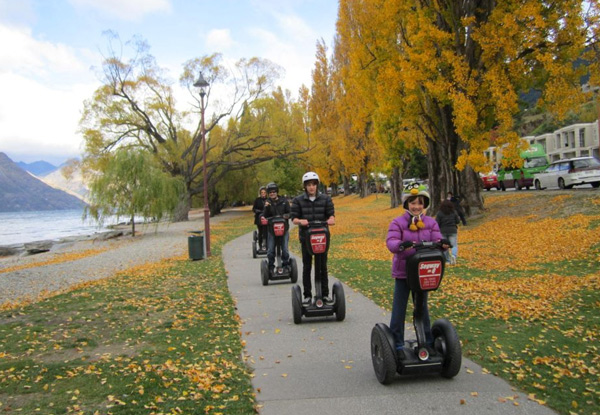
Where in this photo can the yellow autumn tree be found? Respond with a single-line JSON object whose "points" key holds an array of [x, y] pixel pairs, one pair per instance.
{"points": [[450, 73], [355, 103]]}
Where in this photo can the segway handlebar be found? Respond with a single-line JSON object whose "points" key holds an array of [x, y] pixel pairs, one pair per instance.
{"points": [[318, 223], [425, 244]]}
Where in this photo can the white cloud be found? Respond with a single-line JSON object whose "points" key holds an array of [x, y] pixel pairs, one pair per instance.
{"points": [[126, 9], [40, 119], [219, 39], [22, 53], [43, 87]]}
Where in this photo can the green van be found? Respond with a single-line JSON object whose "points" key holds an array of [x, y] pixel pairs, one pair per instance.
{"points": [[534, 161]]}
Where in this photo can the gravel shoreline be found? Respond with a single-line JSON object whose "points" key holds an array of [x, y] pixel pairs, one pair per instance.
{"points": [[155, 243]]}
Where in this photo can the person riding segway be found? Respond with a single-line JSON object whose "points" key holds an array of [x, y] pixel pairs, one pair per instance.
{"points": [[314, 212], [259, 236], [418, 267], [278, 265]]}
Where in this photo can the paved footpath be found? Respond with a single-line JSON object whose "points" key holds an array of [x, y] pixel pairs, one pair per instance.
{"points": [[324, 366]]}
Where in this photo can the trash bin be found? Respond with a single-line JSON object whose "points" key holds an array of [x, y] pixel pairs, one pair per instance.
{"points": [[196, 245]]}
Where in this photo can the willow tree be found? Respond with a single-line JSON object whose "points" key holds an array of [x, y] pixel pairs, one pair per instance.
{"points": [[456, 70], [133, 184], [136, 106]]}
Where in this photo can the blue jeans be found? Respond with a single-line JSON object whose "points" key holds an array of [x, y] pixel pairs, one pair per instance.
{"points": [[453, 238], [285, 253], [401, 292]]}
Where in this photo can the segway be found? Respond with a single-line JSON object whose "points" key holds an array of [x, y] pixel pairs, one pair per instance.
{"points": [[256, 247], [278, 227], [425, 270], [317, 242]]}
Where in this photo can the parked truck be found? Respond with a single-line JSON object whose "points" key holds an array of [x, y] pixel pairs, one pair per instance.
{"points": [[535, 160]]}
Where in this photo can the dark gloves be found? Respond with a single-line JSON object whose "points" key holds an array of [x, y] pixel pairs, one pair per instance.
{"points": [[446, 242], [405, 245]]}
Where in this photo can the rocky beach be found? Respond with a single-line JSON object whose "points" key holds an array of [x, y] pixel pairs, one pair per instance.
{"points": [[76, 260]]}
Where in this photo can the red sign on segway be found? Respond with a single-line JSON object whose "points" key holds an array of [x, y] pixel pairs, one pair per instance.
{"points": [[318, 242], [279, 228], [430, 273]]}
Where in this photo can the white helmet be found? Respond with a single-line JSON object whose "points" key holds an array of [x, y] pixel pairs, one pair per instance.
{"points": [[311, 175]]}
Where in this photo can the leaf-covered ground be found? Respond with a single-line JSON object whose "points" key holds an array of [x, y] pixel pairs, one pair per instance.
{"points": [[162, 338], [524, 296]]}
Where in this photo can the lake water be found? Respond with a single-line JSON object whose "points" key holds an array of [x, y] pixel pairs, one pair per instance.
{"points": [[22, 227]]}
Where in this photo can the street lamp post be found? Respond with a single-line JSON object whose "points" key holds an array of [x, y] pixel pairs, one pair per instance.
{"points": [[203, 84]]}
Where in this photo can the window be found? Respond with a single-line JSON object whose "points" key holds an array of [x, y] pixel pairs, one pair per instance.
{"points": [[566, 139], [564, 166], [557, 140], [582, 138]]}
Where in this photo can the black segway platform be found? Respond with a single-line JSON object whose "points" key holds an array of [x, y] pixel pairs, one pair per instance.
{"points": [[425, 270], [256, 248], [318, 244]]}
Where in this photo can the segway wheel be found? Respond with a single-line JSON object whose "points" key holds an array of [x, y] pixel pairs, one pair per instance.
{"points": [[264, 272], [297, 304], [382, 354], [294, 265], [255, 236], [339, 300], [254, 249], [447, 343]]}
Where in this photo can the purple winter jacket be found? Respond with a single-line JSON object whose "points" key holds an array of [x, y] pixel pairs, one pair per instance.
{"points": [[399, 232]]}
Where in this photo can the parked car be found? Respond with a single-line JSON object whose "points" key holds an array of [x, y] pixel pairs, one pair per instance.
{"points": [[567, 173], [490, 180]]}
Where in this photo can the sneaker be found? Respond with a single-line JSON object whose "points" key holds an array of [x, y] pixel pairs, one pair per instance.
{"points": [[452, 260], [400, 354], [327, 299], [307, 301]]}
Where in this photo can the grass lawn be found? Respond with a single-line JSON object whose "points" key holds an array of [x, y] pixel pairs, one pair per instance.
{"points": [[165, 339], [524, 295], [157, 339]]}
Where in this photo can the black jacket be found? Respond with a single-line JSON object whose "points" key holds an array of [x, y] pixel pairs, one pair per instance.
{"points": [[257, 208], [279, 207], [448, 222], [319, 209]]}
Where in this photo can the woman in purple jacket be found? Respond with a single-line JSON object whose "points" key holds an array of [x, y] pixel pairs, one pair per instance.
{"points": [[404, 231]]}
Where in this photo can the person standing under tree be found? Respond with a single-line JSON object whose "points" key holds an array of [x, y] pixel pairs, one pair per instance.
{"points": [[308, 207], [457, 206], [448, 221]]}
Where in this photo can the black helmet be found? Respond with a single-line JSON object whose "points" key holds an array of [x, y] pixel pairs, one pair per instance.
{"points": [[272, 187]]}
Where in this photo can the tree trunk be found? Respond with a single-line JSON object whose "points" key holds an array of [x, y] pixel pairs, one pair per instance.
{"points": [[132, 225], [443, 176], [182, 210], [395, 188], [471, 191], [346, 182], [362, 185]]}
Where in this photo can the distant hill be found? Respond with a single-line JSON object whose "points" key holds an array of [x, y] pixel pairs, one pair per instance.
{"points": [[73, 185], [39, 168], [20, 191]]}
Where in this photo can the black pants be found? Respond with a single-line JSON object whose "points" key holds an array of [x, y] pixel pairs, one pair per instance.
{"points": [[307, 259], [262, 235]]}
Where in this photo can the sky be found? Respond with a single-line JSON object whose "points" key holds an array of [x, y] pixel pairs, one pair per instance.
{"points": [[51, 50]]}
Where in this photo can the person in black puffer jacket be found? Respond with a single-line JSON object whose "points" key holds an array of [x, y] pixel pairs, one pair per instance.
{"points": [[312, 206]]}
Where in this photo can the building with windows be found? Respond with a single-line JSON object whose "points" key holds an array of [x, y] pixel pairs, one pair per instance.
{"points": [[576, 140]]}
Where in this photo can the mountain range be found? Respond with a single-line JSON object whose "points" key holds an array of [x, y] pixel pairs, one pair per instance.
{"points": [[21, 191]]}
